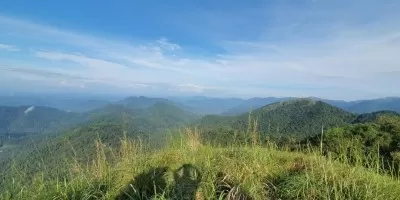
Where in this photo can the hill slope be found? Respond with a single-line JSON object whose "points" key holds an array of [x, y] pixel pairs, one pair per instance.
{"points": [[141, 102], [252, 104], [24, 120], [108, 124], [65, 103], [299, 117], [374, 116]]}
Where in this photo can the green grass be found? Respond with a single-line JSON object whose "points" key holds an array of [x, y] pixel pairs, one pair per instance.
{"points": [[188, 169]]}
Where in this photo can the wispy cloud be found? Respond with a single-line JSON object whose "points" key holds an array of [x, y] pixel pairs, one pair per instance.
{"points": [[8, 47], [317, 50]]}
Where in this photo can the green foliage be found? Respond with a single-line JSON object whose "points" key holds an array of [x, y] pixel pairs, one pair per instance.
{"points": [[107, 125], [25, 120], [142, 102], [253, 104], [379, 141], [373, 117], [298, 118], [202, 172]]}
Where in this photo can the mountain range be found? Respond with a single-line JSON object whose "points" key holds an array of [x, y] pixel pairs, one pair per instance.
{"points": [[198, 104], [49, 128]]}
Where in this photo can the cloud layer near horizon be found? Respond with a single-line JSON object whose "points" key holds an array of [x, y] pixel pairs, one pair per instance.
{"points": [[310, 53]]}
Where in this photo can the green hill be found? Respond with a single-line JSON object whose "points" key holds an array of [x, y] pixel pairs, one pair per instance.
{"points": [[374, 116], [159, 115], [301, 117], [25, 120], [141, 102], [108, 124], [62, 102], [253, 104], [78, 143]]}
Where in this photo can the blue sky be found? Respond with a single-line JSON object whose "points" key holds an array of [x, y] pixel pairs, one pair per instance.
{"points": [[331, 49]]}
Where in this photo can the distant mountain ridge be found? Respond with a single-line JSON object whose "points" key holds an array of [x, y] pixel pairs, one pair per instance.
{"points": [[207, 105], [34, 119], [374, 116], [358, 107], [26, 120], [61, 103], [141, 102], [374, 105], [252, 104], [197, 104]]}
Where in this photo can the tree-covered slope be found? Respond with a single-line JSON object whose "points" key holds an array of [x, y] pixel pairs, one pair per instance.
{"points": [[34, 119], [141, 102], [253, 104], [108, 124], [374, 116], [63, 102], [159, 115], [299, 117], [77, 143], [166, 115]]}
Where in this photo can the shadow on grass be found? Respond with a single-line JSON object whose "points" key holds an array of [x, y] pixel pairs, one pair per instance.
{"points": [[186, 181], [146, 185], [275, 186], [228, 189], [152, 183]]}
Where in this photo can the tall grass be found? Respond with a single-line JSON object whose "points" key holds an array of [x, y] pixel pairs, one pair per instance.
{"points": [[191, 169]]}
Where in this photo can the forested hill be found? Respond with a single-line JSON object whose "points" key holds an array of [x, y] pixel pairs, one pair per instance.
{"points": [[108, 124], [253, 104], [374, 116], [301, 117], [34, 119], [141, 102], [155, 116]]}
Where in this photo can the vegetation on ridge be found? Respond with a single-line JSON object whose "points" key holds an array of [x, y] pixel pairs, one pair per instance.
{"points": [[188, 169], [296, 118]]}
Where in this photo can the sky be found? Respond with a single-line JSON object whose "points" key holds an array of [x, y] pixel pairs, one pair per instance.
{"points": [[336, 49]]}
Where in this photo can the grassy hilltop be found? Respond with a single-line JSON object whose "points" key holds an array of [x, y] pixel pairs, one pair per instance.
{"points": [[189, 169]]}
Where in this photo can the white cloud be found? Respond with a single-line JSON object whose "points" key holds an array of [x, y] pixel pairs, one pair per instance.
{"points": [[81, 59], [28, 110], [8, 47], [296, 55], [164, 43]]}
